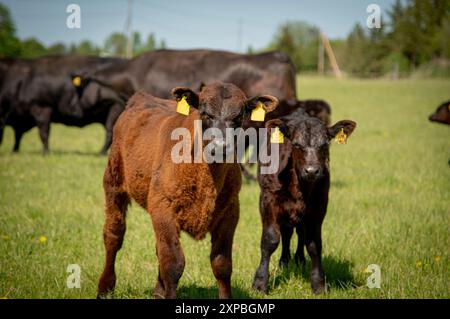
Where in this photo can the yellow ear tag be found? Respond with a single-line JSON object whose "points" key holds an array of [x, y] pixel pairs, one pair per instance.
{"points": [[76, 81], [277, 137], [183, 106], [341, 137], [258, 113], [448, 107]]}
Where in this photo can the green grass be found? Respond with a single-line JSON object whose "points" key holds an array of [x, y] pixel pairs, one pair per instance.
{"points": [[389, 205]]}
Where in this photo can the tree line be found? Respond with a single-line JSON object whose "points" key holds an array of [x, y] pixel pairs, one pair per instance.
{"points": [[413, 40], [114, 45]]}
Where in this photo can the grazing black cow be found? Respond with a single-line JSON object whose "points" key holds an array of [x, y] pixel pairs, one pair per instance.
{"points": [[39, 91], [158, 71], [442, 114], [297, 195]]}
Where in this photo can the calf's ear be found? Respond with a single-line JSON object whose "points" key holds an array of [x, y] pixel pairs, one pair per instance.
{"points": [[191, 96], [268, 102], [201, 86], [280, 124], [346, 125]]}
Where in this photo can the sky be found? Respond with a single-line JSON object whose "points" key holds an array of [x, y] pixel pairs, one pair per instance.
{"points": [[232, 25]]}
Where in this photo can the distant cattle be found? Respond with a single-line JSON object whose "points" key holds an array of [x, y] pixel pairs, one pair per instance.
{"points": [[296, 197], [442, 114], [39, 91], [157, 72], [193, 197]]}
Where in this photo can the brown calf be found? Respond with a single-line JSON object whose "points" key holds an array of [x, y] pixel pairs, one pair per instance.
{"points": [[194, 197], [297, 195]]}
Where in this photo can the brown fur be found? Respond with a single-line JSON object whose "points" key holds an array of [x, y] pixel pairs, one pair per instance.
{"points": [[194, 197]]}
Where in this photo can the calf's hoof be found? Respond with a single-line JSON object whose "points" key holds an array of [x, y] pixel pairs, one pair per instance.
{"points": [[318, 284], [284, 262], [159, 292], [260, 284], [105, 286]]}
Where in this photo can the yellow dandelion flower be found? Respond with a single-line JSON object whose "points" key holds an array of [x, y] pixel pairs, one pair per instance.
{"points": [[42, 239], [366, 271], [419, 264]]}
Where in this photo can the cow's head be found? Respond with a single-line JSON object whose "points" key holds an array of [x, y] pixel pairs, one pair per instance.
{"points": [[223, 106], [442, 114], [308, 140], [317, 108], [94, 92]]}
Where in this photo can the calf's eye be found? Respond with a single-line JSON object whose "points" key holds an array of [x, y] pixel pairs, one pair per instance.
{"points": [[206, 116]]}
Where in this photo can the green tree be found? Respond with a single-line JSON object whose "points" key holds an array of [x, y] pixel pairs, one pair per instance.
{"points": [[300, 41], [151, 43], [418, 29], [137, 44], [32, 48], [162, 44], [9, 44], [116, 44], [58, 48], [86, 47]]}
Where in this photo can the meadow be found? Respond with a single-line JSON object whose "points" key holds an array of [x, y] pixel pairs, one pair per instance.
{"points": [[389, 205]]}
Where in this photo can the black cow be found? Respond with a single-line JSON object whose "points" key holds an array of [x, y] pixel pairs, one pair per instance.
{"points": [[39, 91], [442, 114], [157, 72], [297, 195]]}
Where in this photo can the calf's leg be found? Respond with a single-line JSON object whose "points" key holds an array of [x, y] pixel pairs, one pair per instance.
{"points": [[159, 292], [300, 253], [269, 243], [169, 252], [221, 249], [313, 241], [286, 235], [113, 233]]}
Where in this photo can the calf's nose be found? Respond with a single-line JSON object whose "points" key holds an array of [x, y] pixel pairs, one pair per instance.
{"points": [[311, 171]]}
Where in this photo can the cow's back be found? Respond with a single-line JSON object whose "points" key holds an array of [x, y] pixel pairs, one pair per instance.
{"points": [[267, 73]]}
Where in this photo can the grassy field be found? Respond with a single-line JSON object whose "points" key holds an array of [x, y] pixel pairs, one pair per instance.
{"points": [[389, 205]]}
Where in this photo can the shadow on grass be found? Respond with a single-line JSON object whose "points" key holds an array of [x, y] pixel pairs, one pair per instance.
{"points": [[338, 273], [193, 291]]}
